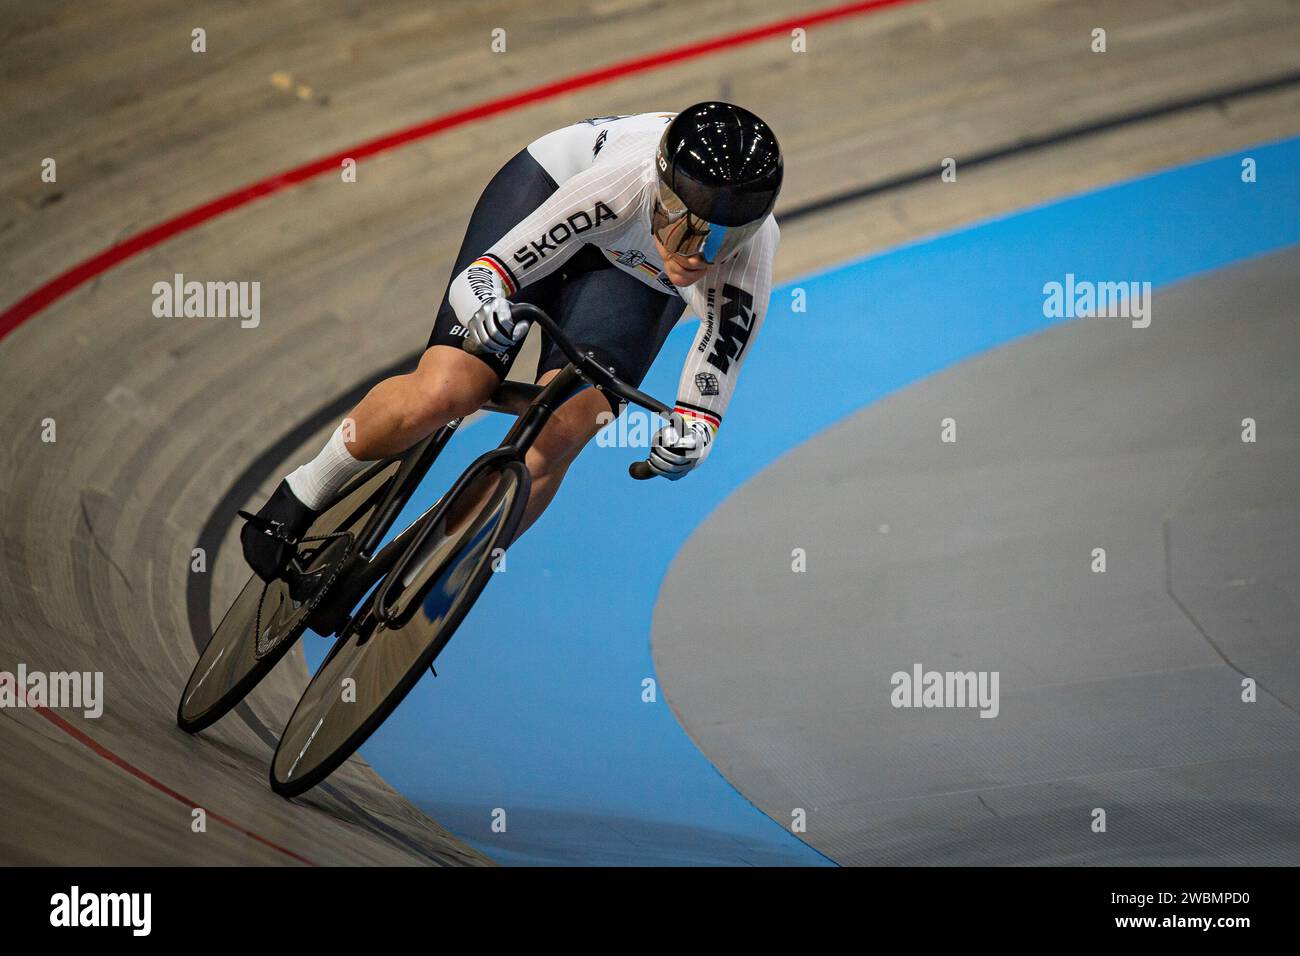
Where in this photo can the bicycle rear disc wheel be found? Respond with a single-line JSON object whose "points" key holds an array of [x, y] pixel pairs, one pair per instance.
{"points": [[374, 666], [229, 667]]}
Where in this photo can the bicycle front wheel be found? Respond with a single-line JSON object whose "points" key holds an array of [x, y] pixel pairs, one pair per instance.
{"points": [[373, 666]]}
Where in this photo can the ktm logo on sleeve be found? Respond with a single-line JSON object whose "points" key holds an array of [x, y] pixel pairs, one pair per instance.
{"points": [[737, 321], [560, 233]]}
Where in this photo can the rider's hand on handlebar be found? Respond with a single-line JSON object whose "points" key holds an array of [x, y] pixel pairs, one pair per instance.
{"points": [[493, 329], [680, 446]]}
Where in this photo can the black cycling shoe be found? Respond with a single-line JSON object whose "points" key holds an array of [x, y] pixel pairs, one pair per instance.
{"points": [[269, 537]]}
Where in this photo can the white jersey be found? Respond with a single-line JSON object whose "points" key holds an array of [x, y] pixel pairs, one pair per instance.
{"points": [[607, 187]]}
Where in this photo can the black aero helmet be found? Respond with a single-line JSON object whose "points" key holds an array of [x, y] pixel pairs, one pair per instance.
{"points": [[719, 166]]}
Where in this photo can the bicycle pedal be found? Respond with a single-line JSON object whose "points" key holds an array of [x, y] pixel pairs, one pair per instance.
{"points": [[274, 529]]}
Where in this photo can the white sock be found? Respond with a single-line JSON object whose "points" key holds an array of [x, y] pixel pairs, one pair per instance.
{"points": [[316, 483]]}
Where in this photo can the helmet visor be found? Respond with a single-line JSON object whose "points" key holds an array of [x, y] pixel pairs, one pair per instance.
{"points": [[683, 233]]}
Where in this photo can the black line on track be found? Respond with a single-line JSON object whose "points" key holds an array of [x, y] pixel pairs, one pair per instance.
{"points": [[198, 595], [1031, 143]]}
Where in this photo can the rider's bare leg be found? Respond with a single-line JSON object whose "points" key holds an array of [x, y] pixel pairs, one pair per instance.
{"points": [[400, 411], [449, 383], [397, 413], [566, 433]]}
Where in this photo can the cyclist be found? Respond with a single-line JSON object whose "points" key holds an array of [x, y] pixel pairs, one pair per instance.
{"points": [[613, 225]]}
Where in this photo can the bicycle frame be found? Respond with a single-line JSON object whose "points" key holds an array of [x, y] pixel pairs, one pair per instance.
{"points": [[425, 581], [532, 404], [513, 447]]}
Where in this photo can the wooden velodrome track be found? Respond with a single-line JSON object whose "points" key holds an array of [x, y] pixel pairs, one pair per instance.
{"points": [[157, 419]]}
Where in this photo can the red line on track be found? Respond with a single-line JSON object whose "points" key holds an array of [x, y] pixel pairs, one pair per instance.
{"points": [[100, 263], [90, 742], [61, 285]]}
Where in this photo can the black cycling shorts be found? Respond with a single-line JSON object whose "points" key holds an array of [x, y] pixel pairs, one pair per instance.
{"points": [[619, 319]]}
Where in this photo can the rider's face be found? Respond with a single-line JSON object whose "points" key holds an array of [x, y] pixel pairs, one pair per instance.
{"points": [[682, 270]]}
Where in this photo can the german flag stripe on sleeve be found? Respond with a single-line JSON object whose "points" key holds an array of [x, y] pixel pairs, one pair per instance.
{"points": [[700, 413], [501, 269]]}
